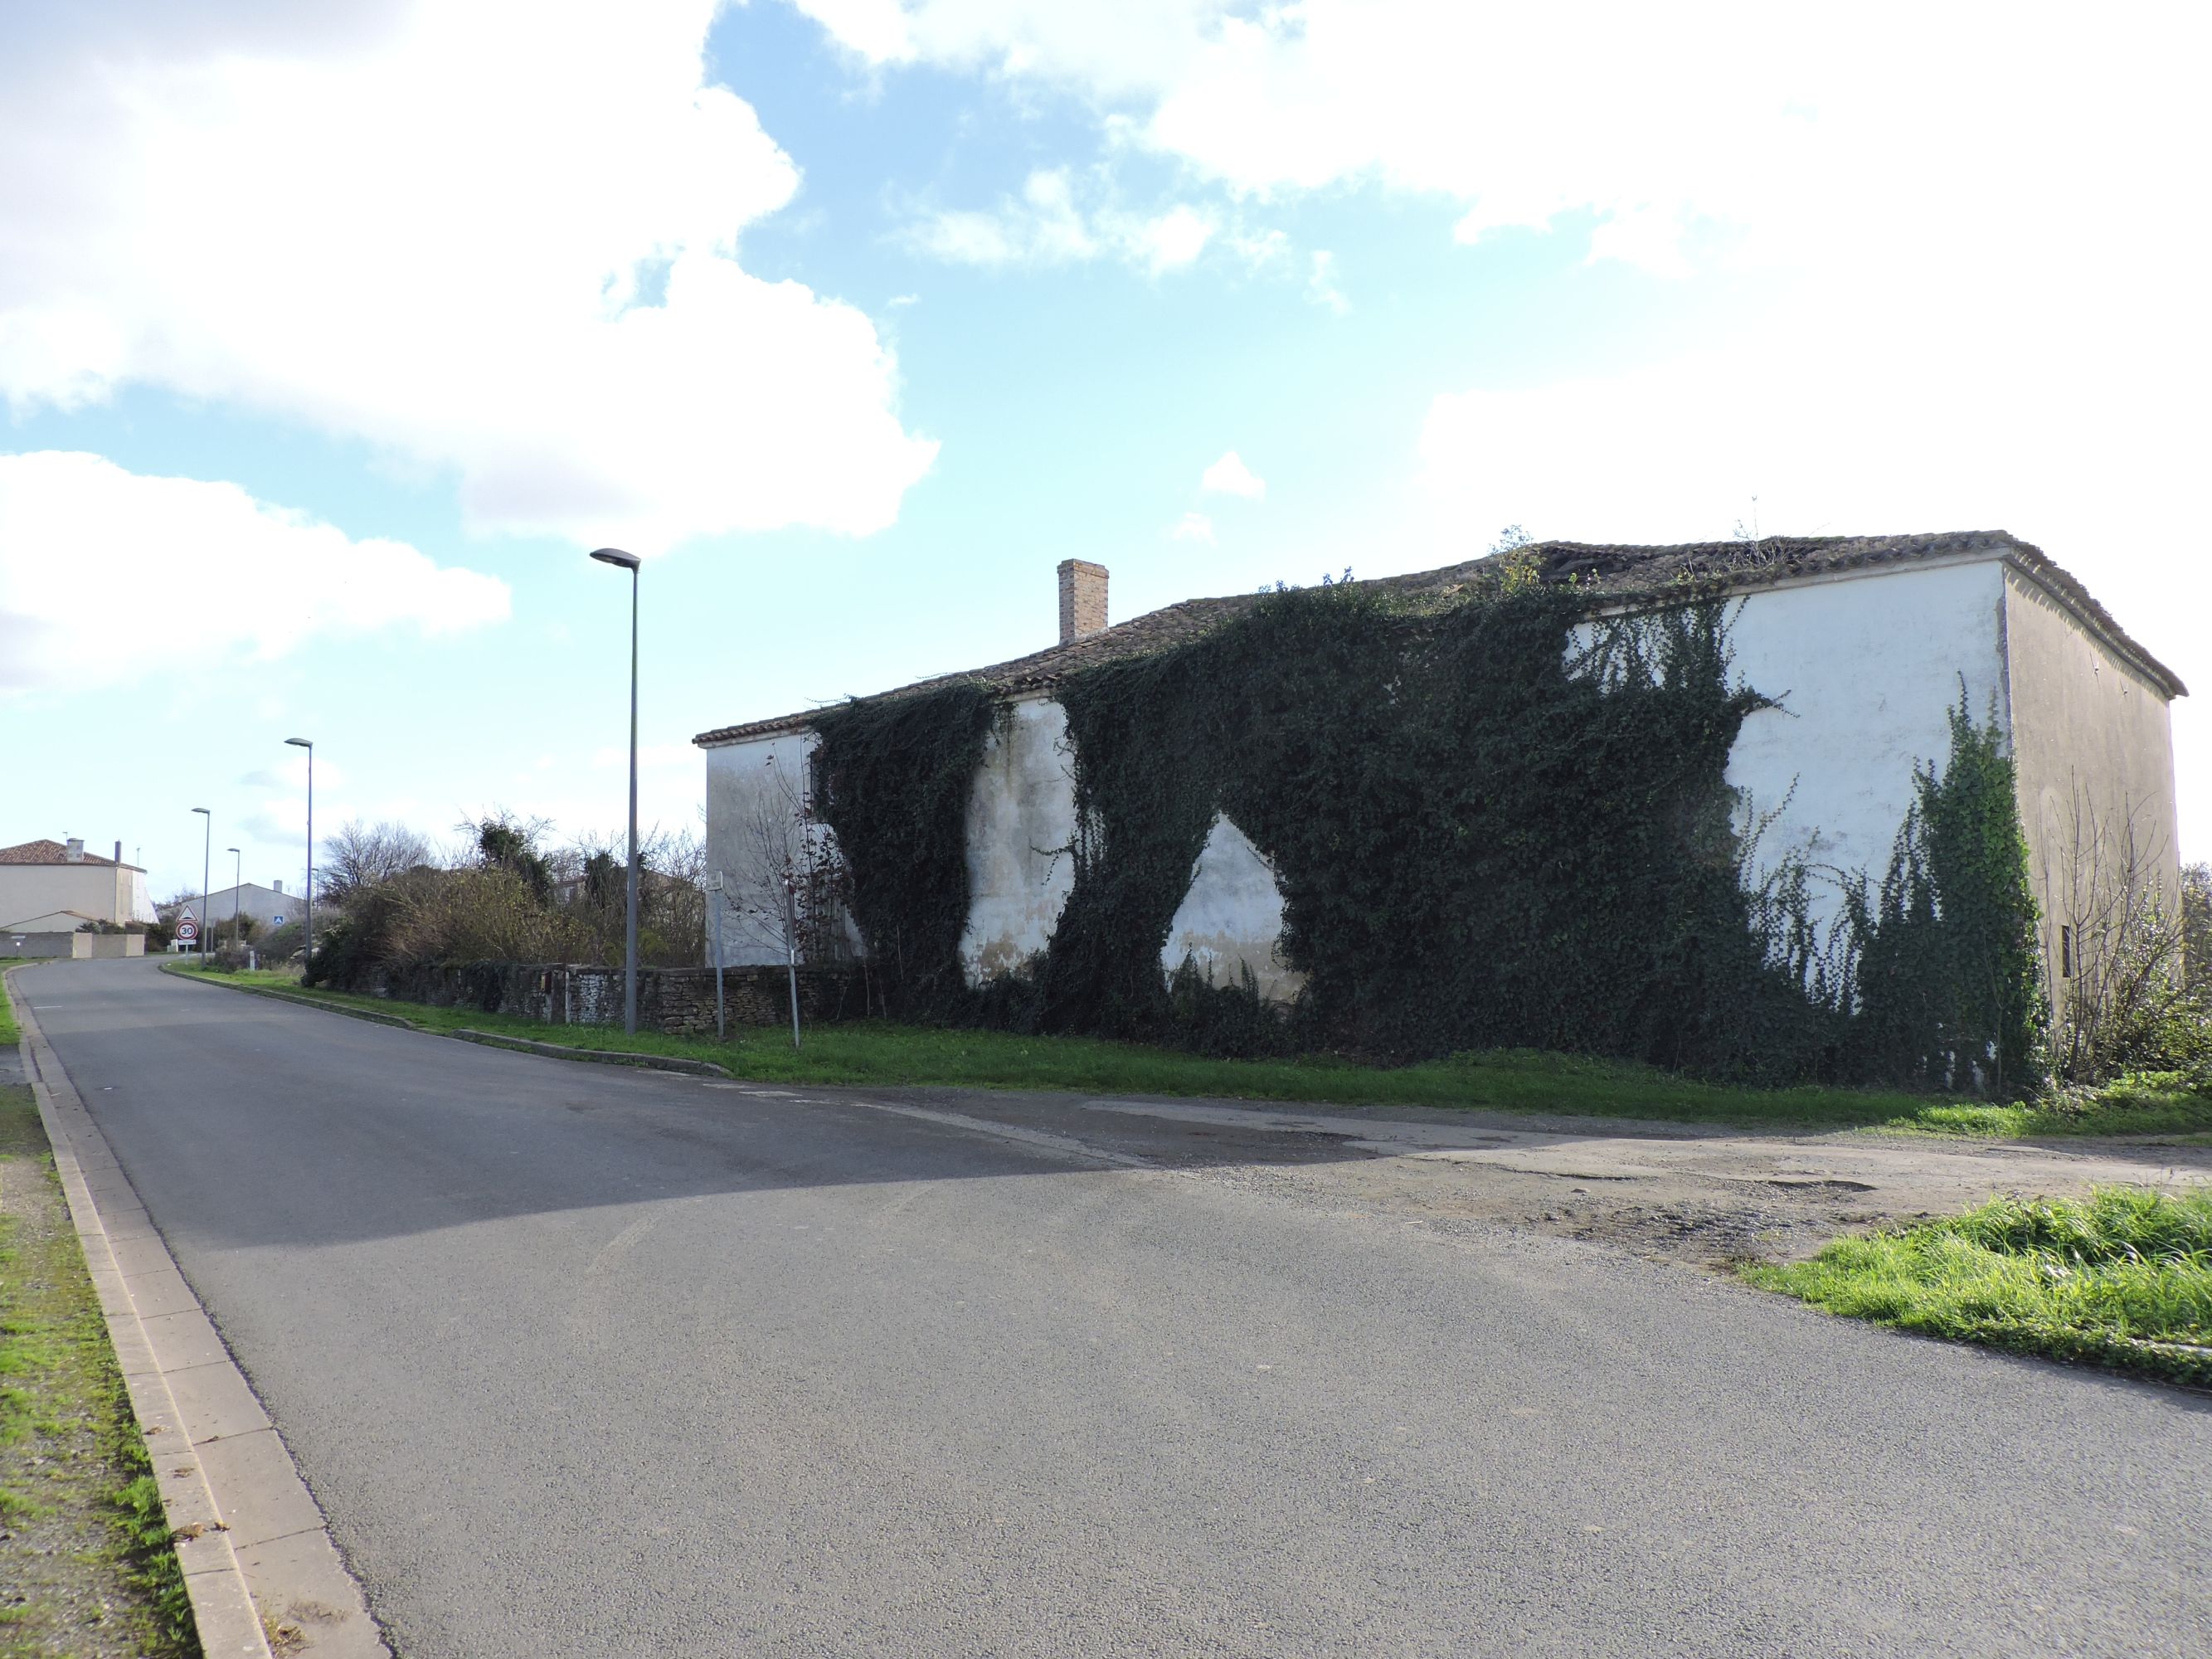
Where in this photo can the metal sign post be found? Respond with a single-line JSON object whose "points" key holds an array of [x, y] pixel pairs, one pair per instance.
{"points": [[791, 956], [713, 886]]}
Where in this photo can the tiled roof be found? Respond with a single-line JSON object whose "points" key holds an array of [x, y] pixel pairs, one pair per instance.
{"points": [[1609, 574], [52, 852]]}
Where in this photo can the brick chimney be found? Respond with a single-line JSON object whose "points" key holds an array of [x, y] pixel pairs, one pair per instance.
{"points": [[1082, 599], [75, 851]]}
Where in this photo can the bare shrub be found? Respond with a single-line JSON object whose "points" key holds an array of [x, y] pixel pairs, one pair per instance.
{"points": [[2123, 1001], [363, 855], [789, 890], [485, 914]]}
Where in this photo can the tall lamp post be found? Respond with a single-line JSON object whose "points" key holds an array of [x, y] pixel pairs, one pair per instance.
{"points": [[307, 956], [237, 881], [207, 865], [616, 556]]}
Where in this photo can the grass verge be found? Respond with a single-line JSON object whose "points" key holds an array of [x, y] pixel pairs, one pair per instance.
{"points": [[2122, 1278], [878, 1053], [85, 1553], [9, 1035]]}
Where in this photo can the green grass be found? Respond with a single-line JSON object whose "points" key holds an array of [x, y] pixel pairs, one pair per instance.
{"points": [[9, 1033], [876, 1052], [2122, 1278], [82, 1532]]}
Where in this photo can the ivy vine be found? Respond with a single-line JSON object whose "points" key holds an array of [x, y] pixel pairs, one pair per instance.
{"points": [[1495, 822]]}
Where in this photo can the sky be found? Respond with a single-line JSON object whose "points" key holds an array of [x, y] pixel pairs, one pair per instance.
{"points": [[332, 337]]}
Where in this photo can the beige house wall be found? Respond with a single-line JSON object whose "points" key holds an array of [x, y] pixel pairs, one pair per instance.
{"points": [[2092, 747], [104, 891]]}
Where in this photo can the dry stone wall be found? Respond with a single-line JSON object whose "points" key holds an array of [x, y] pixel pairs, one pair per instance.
{"points": [[677, 1001]]}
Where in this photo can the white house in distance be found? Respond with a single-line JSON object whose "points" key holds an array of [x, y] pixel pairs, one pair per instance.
{"points": [[1865, 641], [49, 890]]}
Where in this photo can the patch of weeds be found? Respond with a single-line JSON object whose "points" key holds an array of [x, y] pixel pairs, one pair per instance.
{"points": [[87, 1554], [150, 1556], [2122, 1278]]}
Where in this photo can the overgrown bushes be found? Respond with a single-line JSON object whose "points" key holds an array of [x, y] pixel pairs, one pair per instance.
{"points": [[508, 899]]}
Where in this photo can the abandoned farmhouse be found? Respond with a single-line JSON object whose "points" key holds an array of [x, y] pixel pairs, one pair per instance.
{"points": [[1804, 702]]}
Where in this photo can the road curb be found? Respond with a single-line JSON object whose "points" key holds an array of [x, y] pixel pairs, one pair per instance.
{"points": [[228, 1485], [598, 1056], [293, 997], [488, 1039]]}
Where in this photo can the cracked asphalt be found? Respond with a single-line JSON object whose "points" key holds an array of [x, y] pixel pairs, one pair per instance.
{"points": [[582, 1360]]}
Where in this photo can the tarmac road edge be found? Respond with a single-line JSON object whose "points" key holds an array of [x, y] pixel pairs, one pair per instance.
{"points": [[257, 1559]]}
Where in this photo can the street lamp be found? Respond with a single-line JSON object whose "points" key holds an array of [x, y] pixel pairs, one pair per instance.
{"points": [[237, 881], [207, 865], [620, 559], [308, 955]]}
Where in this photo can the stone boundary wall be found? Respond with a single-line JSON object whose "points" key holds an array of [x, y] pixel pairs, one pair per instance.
{"points": [[677, 1001]]}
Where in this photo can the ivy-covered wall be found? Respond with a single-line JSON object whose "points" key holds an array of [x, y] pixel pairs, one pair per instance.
{"points": [[1491, 828]]}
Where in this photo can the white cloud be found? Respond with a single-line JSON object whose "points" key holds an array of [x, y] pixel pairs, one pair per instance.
{"points": [[496, 237], [1059, 220], [100, 570], [1192, 527], [1230, 476], [1726, 124], [1320, 283], [1175, 238]]}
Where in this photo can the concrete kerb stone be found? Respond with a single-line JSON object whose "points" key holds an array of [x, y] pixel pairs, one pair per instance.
{"points": [[235, 1609], [598, 1056], [489, 1039]]}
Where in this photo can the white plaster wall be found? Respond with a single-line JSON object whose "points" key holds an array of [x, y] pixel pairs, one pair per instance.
{"points": [[1021, 827], [1866, 667], [1231, 919], [743, 780]]}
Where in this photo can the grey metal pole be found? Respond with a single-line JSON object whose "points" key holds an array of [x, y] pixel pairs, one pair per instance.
{"points": [[791, 956], [616, 556], [307, 956], [207, 864], [630, 924], [237, 881], [714, 914]]}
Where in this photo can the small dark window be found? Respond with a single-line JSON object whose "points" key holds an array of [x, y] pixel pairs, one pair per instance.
{"points": [[2065, 953]]}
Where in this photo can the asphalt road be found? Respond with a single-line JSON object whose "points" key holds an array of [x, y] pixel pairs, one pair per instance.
{"points": [[587, 1361]]}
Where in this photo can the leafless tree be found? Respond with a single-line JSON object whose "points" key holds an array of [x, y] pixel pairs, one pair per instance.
{"points": [[2118, 956], [787, 891], [361, 855]]}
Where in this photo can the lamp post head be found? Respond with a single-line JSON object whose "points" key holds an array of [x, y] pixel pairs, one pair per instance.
{"points": [[615, 556], [234, 849], [203, 812], [300, 742]]}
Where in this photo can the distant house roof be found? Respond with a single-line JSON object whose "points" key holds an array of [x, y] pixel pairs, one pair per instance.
{"points": [[1609, 574], [52, 852]]}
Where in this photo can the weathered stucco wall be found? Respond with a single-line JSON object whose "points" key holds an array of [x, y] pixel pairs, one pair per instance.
{"points": [[1867, 668], [2094, 752], [1021, 828], [1231, 919]]}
